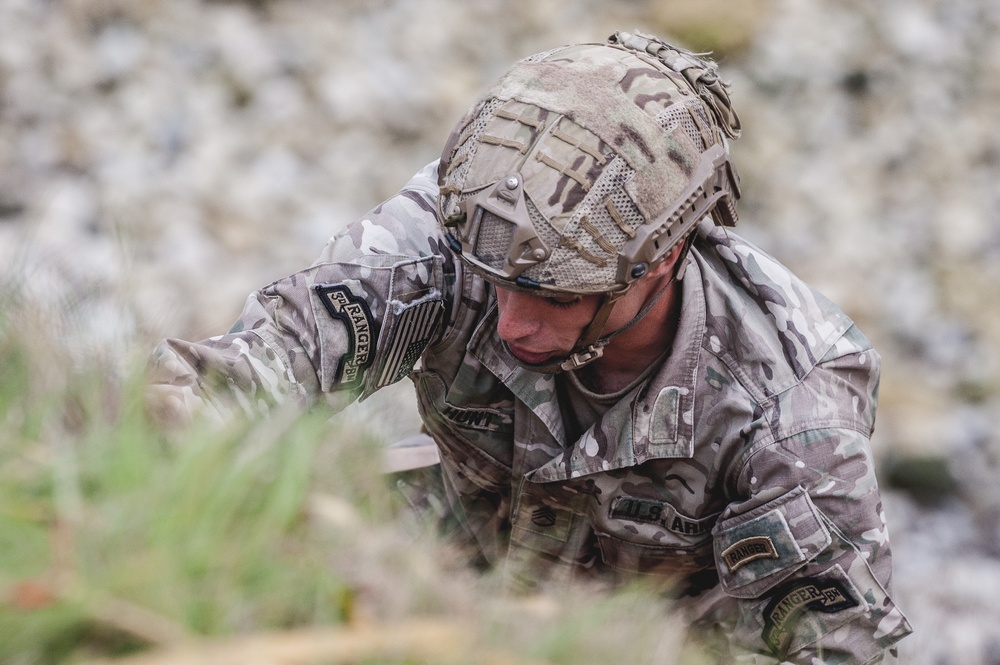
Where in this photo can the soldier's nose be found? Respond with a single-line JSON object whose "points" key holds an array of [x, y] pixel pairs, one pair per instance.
{"points": [[518, 315]]}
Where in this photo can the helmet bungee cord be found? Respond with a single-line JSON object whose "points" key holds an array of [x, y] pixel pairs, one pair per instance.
{"points": [[582, 168]]}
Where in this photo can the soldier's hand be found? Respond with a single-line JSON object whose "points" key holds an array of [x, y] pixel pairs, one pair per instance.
{"points": [[170, 407]]}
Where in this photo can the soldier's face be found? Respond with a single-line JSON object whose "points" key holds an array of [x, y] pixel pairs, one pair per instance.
{"points": [[540, 329]]}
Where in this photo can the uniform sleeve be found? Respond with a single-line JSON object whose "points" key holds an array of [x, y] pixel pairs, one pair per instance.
{"points": [[356, 320], [806, 555]]}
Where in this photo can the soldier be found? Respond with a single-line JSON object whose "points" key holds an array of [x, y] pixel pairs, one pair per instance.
{"points": [[617, 385]]}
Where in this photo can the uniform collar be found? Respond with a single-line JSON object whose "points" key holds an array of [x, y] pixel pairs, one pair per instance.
{"points": [[535, 389], [655, 420], [663, 418]]}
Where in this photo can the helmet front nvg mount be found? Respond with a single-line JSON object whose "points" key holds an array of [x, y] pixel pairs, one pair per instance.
{"points": [[582, 168]]}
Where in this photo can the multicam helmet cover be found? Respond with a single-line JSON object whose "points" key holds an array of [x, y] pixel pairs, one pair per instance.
{"points": [[582, 167]]}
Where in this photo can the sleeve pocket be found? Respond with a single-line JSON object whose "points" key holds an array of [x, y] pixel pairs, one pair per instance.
{"points": [[757, 550]]}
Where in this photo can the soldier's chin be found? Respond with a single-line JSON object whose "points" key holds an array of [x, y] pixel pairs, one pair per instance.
{"points": [[546, 364]]}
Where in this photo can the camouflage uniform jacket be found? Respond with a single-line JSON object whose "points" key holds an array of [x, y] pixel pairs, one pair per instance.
{"points": [[740, 472]]}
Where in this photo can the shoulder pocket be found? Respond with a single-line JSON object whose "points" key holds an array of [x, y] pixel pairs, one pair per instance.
{"points": [[389, 309], [755, 551]]}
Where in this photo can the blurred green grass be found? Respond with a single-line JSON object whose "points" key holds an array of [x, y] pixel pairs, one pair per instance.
{"points": [[207, 534], [119, 540]]}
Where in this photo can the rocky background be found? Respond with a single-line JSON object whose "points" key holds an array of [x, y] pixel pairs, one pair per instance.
{"points": [[159, 159]]}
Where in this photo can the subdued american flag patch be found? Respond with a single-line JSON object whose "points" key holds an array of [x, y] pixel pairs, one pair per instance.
{"points": [[412, 332]]}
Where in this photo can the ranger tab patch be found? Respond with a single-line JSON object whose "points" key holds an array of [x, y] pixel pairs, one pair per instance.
{"points": [[749, 549], [790, 601], [344, 306]]}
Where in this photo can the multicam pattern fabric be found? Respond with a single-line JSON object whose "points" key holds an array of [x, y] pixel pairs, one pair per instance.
{"points": [[738, 476]]}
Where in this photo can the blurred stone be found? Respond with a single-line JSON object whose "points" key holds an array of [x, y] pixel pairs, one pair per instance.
{"points": [[928, 479], [717, 26]]}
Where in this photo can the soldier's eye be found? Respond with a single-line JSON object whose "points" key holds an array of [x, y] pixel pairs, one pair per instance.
{"points": [[564, 302]]}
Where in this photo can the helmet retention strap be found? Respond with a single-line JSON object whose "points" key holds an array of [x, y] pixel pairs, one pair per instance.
{"points": [[591, 344]]}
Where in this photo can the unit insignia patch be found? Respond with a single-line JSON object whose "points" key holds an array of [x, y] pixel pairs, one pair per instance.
{"points": [[790, 601], [344, 306]]}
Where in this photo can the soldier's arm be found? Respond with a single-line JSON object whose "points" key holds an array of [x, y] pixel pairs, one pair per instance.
{"points": [[335, 329], [807, 554]]}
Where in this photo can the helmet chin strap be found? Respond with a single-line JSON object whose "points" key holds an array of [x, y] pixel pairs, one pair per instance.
{"points": [[590, 346]]}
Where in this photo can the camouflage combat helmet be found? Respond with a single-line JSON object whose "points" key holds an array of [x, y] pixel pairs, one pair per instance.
{"points": [[581, 168]]}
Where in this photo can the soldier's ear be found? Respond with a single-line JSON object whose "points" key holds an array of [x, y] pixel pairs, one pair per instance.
{"points": [[666, 266]]}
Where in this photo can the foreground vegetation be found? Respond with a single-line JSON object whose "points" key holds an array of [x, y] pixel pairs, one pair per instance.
{"points": [[269, 542]]}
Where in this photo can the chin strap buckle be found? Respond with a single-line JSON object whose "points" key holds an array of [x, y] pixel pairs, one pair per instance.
{"points": [[581, 358]]}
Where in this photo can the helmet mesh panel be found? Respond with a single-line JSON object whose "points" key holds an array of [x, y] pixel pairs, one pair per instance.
{"points": [[677, 114], [493, 242], [612, 184], [627, 210], [545, 231], [578, 262]]}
